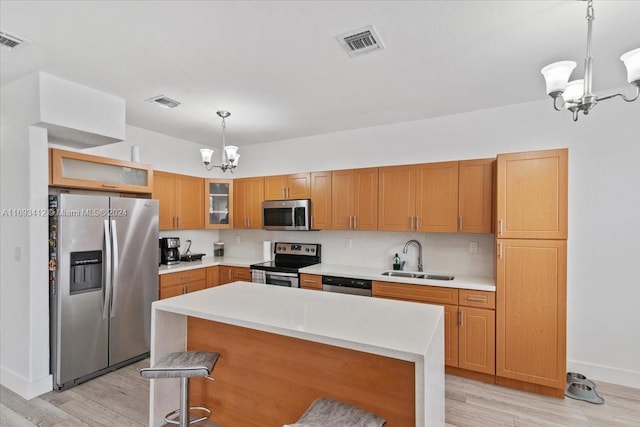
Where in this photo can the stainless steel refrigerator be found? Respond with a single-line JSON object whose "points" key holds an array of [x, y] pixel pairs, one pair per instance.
{"points": [[103, 278]]}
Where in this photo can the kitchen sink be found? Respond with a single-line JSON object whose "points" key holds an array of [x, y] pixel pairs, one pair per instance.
{"points": [[417, 275], [404, 274]]}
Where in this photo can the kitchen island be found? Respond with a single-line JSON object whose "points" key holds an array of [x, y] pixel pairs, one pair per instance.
{"points": [[283, 347]]}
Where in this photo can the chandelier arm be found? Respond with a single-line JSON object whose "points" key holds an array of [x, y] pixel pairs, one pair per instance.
{"points": [[555, 103], [622, 95]]}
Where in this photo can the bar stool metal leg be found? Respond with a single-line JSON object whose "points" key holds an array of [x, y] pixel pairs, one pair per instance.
{"points": [[184, 402]]}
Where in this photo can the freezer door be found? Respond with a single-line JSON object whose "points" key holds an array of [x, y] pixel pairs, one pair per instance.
{"points": [[135, 284], [79, 331]]}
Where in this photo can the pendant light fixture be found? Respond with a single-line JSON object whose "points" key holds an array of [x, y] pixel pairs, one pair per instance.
{"points": [[230, 154], [576, 96]]}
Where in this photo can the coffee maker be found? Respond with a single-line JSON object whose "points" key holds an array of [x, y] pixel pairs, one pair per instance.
{"points": [[169, 252]]}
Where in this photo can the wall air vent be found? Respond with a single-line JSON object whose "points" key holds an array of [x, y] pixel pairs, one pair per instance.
{"points": [[164, 101], [10, 41], [361, 41]]}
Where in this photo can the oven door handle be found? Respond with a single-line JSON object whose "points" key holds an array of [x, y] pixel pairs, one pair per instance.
{"points": [[279, 274]]}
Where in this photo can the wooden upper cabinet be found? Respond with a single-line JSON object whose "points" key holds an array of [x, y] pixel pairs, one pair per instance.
{"points": [[342, 199], [321, 200], [180, 200], [354, 199], [437, 197], [218, 203], [532, 195], [189, 202], [281, 187], [247, 202], [164, 190], [397, 198], [365, 199], [531, 286], [475, 195], [78, 170]]}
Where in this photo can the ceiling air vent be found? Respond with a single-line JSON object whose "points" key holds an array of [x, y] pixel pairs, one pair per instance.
{"points": [[164, 101], [9, 41], [361, 41]]}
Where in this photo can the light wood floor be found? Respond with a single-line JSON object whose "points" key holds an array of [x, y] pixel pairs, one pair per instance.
{"points": [[121, 398]]}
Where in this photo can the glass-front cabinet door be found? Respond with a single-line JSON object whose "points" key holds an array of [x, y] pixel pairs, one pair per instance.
{"points": [[218, 203]]}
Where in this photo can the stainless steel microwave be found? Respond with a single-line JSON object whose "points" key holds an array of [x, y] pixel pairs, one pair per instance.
{"points": [[286, 214]]}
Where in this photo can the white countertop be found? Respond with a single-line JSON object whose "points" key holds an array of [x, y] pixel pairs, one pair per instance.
{"points": [[208, 262], [476, 283], [398, 329]]}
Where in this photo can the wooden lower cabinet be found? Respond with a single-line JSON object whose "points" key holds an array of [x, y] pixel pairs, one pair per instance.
{"points": [[213, 276], [182, 282], [311, 281], [469, 321], [230, 274], [451, 335], [477, 340], [531, 307]]}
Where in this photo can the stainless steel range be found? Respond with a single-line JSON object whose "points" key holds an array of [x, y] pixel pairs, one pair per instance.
{"points": [[284, 269]]}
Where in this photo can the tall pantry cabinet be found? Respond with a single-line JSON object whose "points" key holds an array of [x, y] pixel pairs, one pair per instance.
{"points": [[531, 258]]}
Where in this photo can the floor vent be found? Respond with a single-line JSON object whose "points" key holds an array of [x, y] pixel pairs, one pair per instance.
{"points": [[164, 101], [10, 41], [361, 41]]}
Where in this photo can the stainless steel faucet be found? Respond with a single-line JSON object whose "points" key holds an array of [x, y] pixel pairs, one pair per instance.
{"points": [[406, 248]]}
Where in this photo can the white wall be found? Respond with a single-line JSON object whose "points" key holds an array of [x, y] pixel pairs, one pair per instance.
{"points": [[604, 204], [24, 298]]}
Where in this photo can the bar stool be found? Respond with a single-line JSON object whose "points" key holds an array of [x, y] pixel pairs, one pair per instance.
{"points": [[184, 365], [325, 412]]}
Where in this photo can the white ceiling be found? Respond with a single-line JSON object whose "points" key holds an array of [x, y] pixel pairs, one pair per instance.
{"points": [[277, 67]]}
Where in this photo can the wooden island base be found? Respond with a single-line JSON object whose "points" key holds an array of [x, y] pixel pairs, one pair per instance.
{"points": [[267, 380]]}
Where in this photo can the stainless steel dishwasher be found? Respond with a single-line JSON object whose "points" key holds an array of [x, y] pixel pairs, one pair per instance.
{"points": [[346, 285]]}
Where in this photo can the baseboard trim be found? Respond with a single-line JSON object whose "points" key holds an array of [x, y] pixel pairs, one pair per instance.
{"points": [[605, 373], [27, 389], [477, 376]]}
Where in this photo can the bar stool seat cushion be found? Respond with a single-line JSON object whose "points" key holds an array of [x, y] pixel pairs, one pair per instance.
{"points": [[325, 412], [182, 364]]}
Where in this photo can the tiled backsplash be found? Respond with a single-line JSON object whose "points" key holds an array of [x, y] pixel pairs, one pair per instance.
{"points": [[445, 253]]}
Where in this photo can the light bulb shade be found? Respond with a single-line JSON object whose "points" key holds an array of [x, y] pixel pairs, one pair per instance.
{"points": [[631, 60], [557, 75], [206, 154], [230, 150], [573, 92], [234, 159]]}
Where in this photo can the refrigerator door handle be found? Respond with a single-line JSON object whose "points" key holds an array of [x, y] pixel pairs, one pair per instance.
{"points": [[114, 277], [107, 277]]}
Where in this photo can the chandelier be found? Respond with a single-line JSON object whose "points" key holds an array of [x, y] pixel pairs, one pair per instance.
{"points": [[576, 95], [230, 154]]}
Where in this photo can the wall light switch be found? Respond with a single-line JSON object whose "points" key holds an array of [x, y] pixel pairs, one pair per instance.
{"points": [[473, 247]]}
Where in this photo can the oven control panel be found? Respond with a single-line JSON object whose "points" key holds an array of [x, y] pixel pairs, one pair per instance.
{"points": [[310, 249]]}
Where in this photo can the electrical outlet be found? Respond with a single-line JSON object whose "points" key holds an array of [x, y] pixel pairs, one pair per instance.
{"points": [[473, 247], [17, 253], [237, 238], [348, 243]]}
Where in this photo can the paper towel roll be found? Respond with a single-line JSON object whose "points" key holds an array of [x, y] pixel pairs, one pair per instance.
{"points": [[266, 250]]}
